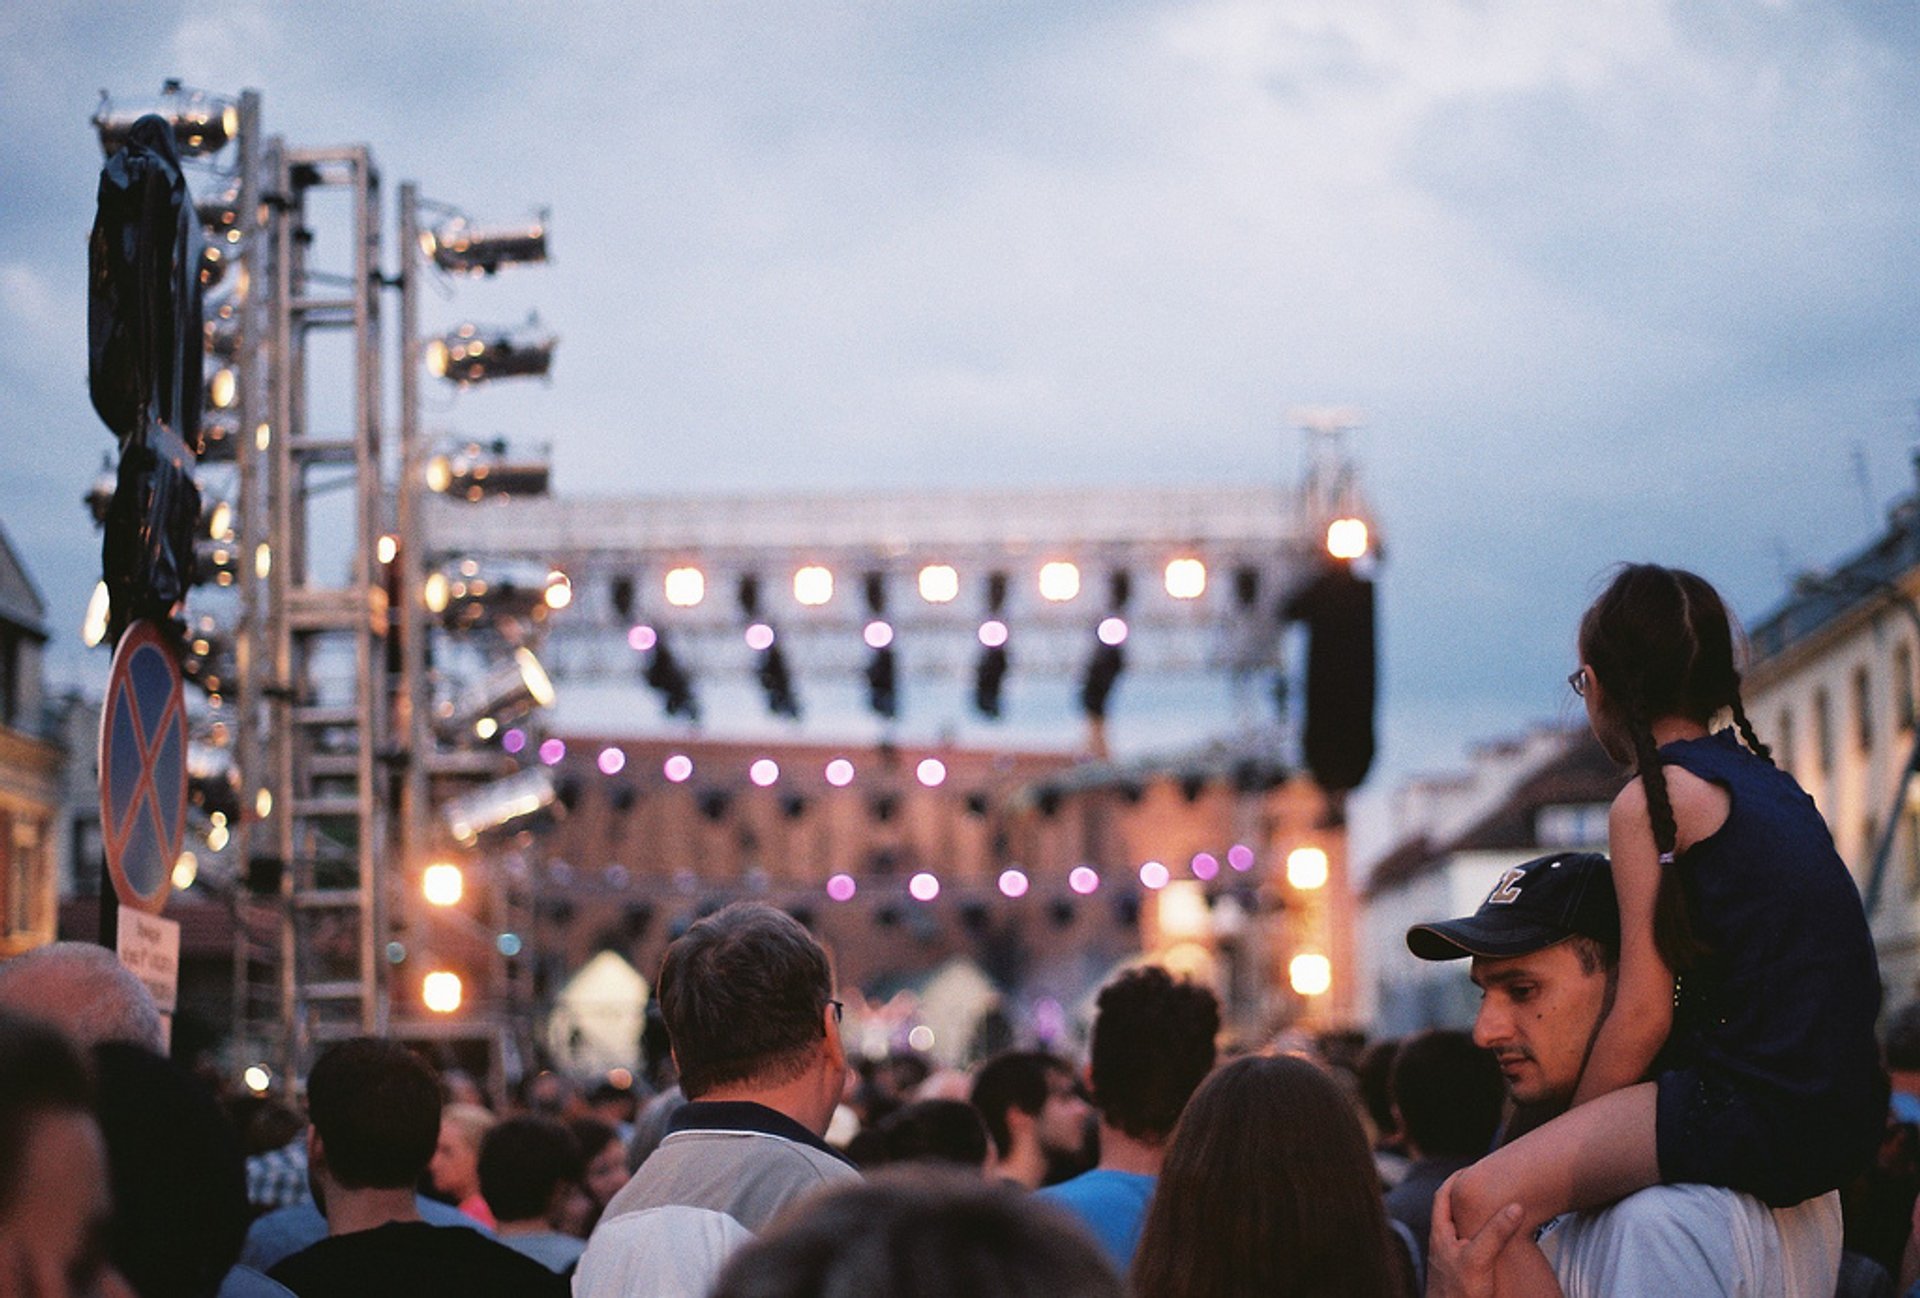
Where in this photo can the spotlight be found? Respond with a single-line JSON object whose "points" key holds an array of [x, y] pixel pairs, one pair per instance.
{"points": [[1059, 582], [670, 680], [508, 692], [475, 471], [1347, 538], [1186, 578], [475, 353], [685, 587], [459, 247], [499, 806], [1103, 669], [812, 586], [202, 122], [939, 584], [219, 437]]}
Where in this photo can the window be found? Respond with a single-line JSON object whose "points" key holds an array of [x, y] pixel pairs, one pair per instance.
{"points": [[1862, 709], [1903, 685], [1783, 745], [1577, 824], [1823, 729]]}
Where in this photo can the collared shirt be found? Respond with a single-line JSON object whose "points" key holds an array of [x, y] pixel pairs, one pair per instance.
{"points": [[278, 1177]]}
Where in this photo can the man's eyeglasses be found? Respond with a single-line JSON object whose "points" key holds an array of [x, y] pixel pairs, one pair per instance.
{"points": [[839, 1010], [1577, 682]]}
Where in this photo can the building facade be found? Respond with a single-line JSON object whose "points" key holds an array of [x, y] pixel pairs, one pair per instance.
{"points": [[31, 765]]}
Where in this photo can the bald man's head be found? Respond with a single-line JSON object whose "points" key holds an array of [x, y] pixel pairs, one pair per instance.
{"points": [[85, 991]]}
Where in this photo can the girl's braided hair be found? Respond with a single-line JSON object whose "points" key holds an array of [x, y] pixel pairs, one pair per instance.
{"points": [[1661, 643]]}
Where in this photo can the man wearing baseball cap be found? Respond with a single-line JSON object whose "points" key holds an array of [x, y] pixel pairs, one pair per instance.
{"points": [[1545, 950]]}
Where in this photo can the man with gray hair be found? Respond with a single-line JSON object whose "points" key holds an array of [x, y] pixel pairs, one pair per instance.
{"points": [[84, 990]]}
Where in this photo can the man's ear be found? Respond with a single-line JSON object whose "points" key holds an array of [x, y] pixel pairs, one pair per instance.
{"points": [[316, 1152]]}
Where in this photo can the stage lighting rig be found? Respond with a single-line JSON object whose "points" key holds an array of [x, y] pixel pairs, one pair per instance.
{"points": [[473, 353], [202, 121], [990, 671], [670, 680], [476, 470], [460, 247], [99, 497]]}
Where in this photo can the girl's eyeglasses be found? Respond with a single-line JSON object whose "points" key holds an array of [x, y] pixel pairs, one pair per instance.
{"points": [[1577, 682]]}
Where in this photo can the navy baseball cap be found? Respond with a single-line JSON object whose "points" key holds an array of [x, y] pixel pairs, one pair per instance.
{"points": [[1532, 906]]}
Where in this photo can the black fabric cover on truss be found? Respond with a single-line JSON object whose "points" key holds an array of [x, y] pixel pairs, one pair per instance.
{"points": [[1337, 607], [144, 350]]}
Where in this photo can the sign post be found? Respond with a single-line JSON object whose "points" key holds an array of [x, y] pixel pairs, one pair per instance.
{"points": [[143, 772]]}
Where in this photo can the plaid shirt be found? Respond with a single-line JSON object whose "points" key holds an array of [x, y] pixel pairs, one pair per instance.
{"points": [[278, 1177]]}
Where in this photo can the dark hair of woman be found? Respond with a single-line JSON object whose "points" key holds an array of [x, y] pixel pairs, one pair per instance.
{"points": [[1268, 1189], [1661, 643]]}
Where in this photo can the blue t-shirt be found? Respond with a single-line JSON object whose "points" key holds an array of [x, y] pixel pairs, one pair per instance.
{"points": [[1112, 1204]]}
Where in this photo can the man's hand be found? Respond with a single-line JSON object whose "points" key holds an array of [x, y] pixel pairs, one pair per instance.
{"points": [[1463, 1268]]}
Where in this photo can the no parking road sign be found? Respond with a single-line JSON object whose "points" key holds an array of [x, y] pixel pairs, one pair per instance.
{"points": [[143, 767]]}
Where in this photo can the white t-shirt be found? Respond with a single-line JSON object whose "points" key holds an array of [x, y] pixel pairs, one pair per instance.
{"points": [[1697, 1241]]}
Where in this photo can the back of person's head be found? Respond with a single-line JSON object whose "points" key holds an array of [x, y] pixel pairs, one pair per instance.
{"points": [[1268, 1187], [920, 1233], [1153, 1043], [1015, 1079], [471, 1121], [86, 992], [523, 1161], [744, 993], [376, 1108], [1903, 1039], [932, 1131], [41, 1073], [180, 1207], [1449, 1092]]}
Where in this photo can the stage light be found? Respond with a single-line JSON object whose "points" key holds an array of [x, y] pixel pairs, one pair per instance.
{"points": [[514, 741], [436, 593], [1182, 913], [759, 637], [1205, 866], [501, 805], [385, 550], [223, 388], [764, 772], [475, 472], [883, 677], [1103, 671], [257, 1079], [611, 761], [1013, 882], [877, 634], [486, 728], [1347, 538], [443, 884], [219, 436], [1307, 868], [263, 804], [670, 680], [1112, 631], [939, 584], [474, 353], [93, 628], [841, 887], [923, 887], [1310, 974], [839, 772], [777, 682], [202, 122], [1155, 875], [553, 751], [685, 587], [559, 590], [506, 693], [1059, 581], [931, 772], [812, 586], [459, 247], [262, 560], [993, 633], [186, 868], [441, 991], [1240, 857], [508, 945], [678, 768], [1186, 579], [641, 638], [1084, 879]]}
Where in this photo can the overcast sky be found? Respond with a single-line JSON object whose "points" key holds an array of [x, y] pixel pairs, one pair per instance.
{"points": [[1619, 280]]}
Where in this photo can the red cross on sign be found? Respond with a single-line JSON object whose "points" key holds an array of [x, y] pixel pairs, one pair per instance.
{"points": [[143, 767]]}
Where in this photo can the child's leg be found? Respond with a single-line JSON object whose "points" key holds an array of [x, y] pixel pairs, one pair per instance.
{"points": [[1586, 1157]]}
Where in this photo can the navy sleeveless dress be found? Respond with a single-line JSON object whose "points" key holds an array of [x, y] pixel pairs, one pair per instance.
{"points": [[1770, 1081]]}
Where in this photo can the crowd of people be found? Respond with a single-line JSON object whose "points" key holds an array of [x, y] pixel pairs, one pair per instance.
{"points": [[1672, 1086]]}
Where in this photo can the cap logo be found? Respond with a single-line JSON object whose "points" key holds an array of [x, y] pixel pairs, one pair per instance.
{"points": [[1507, 891]]}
